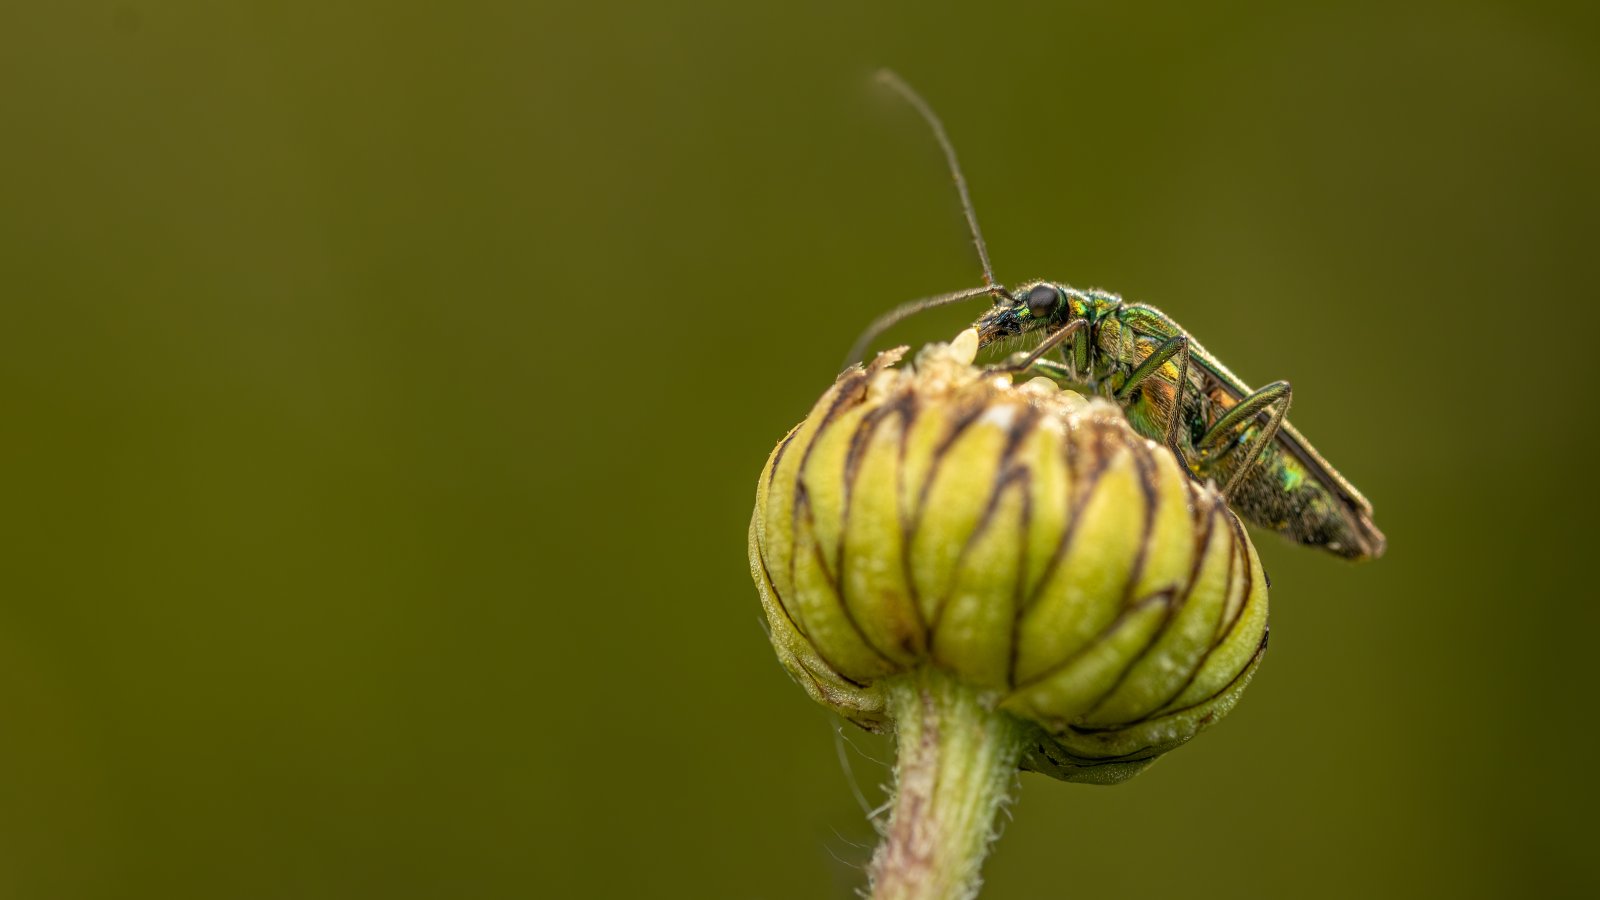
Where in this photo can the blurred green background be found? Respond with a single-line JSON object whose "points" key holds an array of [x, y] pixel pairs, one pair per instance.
{"points": [[383, 386]]}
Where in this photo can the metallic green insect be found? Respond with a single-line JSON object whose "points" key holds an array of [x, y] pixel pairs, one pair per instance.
{"points": [[1171, 388]]}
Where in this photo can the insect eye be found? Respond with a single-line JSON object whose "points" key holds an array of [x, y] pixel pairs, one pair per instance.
{"points": [[1042, 301]]}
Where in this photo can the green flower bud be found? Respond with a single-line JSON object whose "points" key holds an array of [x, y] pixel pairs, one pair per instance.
{"points": [[1019, 537]]}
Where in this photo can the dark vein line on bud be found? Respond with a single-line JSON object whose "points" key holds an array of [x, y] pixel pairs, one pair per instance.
{"points": [[1132, 446], [1239, 554], [1007, 473], [1022, 588], [832, 578], [1081, 478], [941, 453], [904, 513], [777, 595], [1105, 634], [1204, 523], [1065, 759], [851, 388], [959, 425], [777, 457], [1145, 467], [1224, 624], [1165, 597], [1018, 477], [1227, 688], [862, 438], [1241, 543]]}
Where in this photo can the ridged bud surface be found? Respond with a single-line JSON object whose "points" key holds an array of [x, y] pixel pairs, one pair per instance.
{"points": [[1018, 536]]}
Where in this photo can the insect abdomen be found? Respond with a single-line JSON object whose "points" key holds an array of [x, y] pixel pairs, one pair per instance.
{"points": [[1282, 494]]}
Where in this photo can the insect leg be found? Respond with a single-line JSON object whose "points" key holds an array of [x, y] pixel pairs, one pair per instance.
{"points": [[1275, 396], [1059, 371], [1176, 346], [1078, 355], [1049, 343]]}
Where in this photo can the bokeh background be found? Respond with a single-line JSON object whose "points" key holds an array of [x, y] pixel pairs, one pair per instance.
{"points": [[383, 386]]}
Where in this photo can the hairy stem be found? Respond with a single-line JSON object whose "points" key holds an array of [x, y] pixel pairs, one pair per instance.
{"points": [[955, 762]]}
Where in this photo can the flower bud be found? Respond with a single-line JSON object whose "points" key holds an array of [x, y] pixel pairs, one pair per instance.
{"points": [[1018, 536]]}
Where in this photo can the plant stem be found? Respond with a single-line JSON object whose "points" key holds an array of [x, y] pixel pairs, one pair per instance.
{"points": [[955, 762]]}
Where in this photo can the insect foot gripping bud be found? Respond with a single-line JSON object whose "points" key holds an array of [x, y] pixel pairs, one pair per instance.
{"points": [[1005, 575]]}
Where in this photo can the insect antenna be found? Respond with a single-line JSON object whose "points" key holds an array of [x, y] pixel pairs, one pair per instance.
{"points": [[892, 80], [881, 324], [904, 311]]}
